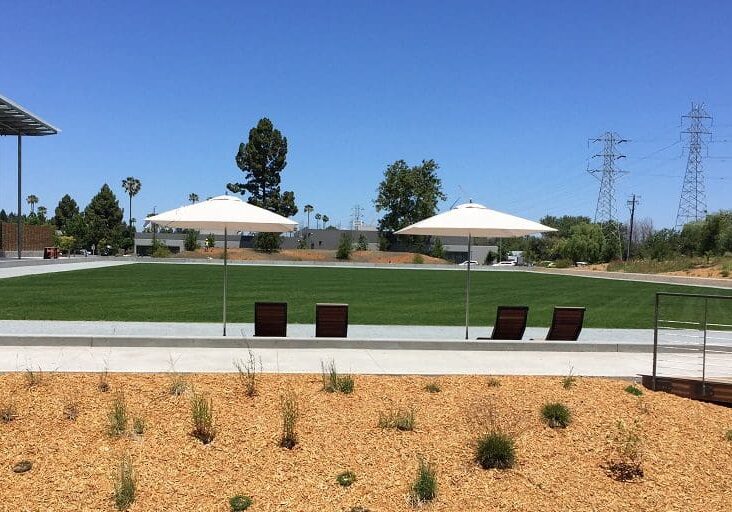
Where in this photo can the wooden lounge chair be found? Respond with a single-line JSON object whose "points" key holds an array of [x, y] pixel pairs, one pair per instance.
{"points": [[566, 324], [331, 320], [510, 323], [270, 319]]}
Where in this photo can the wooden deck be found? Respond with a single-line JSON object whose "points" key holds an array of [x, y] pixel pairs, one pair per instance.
{"points": [[717, 390]]}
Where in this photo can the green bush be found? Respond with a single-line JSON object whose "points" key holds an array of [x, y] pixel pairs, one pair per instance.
{"points": [[634, 390], [418, 259], [345, 247], [191, 241], [117, 416], [495, 450], [424, 487], [124, 485], [438, 250], [363, 243], [202, 416], [240, 502], [346, 478], [160, 250], [267, 242], [563, 263], [556, 415], [399, 419]]}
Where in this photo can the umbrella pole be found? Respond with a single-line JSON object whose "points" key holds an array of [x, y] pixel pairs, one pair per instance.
{"points": [[467, 290], [226, 243]]}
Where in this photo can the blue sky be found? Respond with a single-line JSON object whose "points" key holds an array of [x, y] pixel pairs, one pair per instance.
{"points": [[503, 95]]}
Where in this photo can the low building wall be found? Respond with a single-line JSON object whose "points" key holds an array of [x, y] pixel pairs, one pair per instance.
{"points": [[34, 239]]}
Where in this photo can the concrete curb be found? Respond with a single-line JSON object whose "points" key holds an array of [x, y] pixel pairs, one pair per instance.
{"points": [[323, 343]]}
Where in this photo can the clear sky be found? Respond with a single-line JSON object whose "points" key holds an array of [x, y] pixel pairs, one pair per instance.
{"points": [[503, 95]]}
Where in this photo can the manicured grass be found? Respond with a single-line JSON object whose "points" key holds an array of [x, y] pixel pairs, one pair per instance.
{"points": [[192, 293]]}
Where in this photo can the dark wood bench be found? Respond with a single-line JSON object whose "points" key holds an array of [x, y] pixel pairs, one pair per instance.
{"points": [[270, 319], [510, 323], [566, 324], [331, 320]]}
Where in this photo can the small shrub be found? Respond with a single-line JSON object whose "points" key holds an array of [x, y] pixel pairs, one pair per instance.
{"points": [[424, 488], [103, 384], [626, 459], [400, 419], [493, 382], [433, 387], [71, 411], [363, 243], [728, 435], [569, 380], [33, 378], [495, 450], [160, 250], [138, 426], [191, 241], [333, 382], [418, 259], [124, 485], [634, 390], [346, 478], [290, 411], [7, 412], [117, 416], [178, 384], [248, 371], [345, 247], [556, 415], [202, 416], [240, 502], [563, 263]]}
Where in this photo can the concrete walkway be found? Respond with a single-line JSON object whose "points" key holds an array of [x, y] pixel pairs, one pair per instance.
{"points": [[425, 362], [17, 268]]}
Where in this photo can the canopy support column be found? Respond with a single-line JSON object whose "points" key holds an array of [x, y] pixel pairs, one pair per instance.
{"points": [[226, 243], [467, 288], [20, 194]]}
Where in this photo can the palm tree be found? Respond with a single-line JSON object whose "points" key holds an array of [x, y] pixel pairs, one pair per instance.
{"points": [[42, 212], [132, 186], [325, 220], [32, 200], [317, 220], [193, 197], [308, 208]]}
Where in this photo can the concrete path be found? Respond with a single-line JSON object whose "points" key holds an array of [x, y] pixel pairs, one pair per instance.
{"points": [[426, 362], [17, 268], [704, 282], [246, 330]]}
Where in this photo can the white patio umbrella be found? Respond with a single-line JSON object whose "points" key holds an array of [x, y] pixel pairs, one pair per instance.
{"points": [[224, 212], [472, 219]]}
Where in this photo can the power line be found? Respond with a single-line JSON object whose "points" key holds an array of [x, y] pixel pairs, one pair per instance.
{"points": [[693, 202], [606, 209]]}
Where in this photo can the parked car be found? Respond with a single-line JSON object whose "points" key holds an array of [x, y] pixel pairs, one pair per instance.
{"points": [[505, 264], [464, 263]]}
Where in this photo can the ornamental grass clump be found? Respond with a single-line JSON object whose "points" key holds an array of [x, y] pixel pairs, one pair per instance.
{"points": [[634, 390], [290, 412], [556, 415], [495, 450], [117, 416], [399, 419], [728, 435], [625, 462], [7, 412], [71, 410], [138, 426], [424, 487], [125, 485], [240, 502], [569, 380], [433, 387], [333, 382], [346, 478], [248, 371], [202, 417], [33, 378]]}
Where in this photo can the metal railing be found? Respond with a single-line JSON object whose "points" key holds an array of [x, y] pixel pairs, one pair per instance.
{"points": [[692, 340]]}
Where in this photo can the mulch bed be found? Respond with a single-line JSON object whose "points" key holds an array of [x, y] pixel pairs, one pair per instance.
{"points": [[686, 462]]}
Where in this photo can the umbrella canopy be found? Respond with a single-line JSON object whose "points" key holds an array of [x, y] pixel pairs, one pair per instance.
{"points": [[224, 213], [472, 219]]}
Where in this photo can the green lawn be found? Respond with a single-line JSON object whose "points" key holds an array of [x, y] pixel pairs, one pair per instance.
{"points": [[192, 293]]}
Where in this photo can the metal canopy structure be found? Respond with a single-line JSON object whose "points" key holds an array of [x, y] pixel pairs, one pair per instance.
{"points": [[18, 121]]}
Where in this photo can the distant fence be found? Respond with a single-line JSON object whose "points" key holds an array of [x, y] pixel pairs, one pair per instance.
{"points": [[692, 337]]}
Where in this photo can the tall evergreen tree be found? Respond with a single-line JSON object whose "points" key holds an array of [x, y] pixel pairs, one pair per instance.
{"points": [[3, 216], [64, 212], [103, 219], [262, 160]]}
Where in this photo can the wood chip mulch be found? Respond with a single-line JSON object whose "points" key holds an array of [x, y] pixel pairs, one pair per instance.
{"points": [[686, 459]]}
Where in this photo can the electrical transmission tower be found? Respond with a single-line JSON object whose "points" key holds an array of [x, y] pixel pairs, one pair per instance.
{"points": [[356, 215], [606, 211], [693, 202]]}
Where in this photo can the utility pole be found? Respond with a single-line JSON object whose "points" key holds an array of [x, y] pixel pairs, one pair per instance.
{"points": [[632, 202], [693, 202], [606, 209]]}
